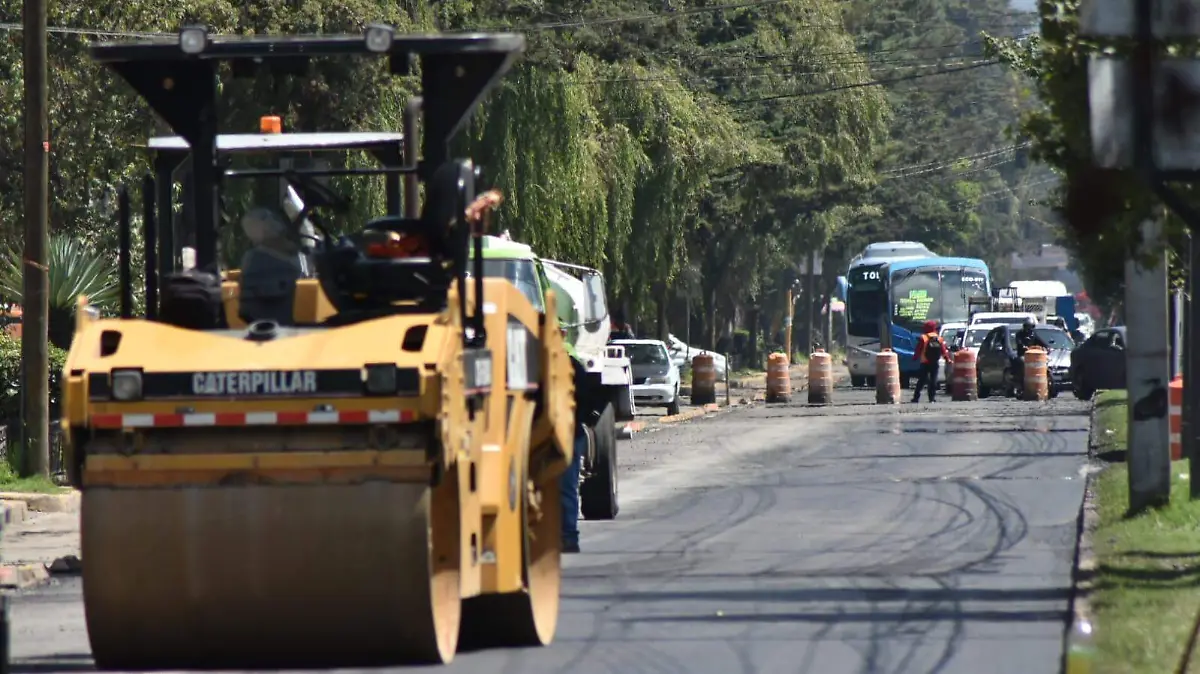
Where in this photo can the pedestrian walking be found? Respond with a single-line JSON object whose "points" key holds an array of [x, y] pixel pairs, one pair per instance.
{"points": [[930, 352]]}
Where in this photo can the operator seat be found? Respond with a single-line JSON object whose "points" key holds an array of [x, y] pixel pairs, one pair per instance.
{"points": [[270, 270]]}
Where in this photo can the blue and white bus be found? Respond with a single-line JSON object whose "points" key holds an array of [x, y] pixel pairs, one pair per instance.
{"points": [[864, 302], [899, 296]]}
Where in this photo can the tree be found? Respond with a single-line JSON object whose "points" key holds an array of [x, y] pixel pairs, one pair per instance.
{"points": [[76, 270], [1101, 208]]}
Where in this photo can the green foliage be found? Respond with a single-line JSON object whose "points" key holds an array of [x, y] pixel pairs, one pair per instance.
{"points": [[75, 269], [10, 378], [698, 153], [1107, 206]]}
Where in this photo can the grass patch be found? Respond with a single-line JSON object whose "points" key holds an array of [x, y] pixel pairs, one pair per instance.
{"points": [[1112, 425], [745, 373], [9, 481], [1147, 584]]}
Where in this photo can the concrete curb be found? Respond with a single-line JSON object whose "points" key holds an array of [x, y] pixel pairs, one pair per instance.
{"points": [[45, 503], [21, 576], [1083, 573], [690, 414], [1093, 441], [13, 513]]}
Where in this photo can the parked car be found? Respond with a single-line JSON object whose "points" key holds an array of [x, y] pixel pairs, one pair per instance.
{"points": [[999, 368], [655, 375], [682, 355], [1099, 363]]}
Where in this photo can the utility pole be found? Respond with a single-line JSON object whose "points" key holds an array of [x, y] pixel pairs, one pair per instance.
{"points": [[1191, 369], [35, 295], [1148, 368]]}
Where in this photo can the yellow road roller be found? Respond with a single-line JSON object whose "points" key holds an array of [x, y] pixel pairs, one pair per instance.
{"points": [[346, 452]]}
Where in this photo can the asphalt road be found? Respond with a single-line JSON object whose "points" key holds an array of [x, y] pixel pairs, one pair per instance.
{"points": [[852, 538]]}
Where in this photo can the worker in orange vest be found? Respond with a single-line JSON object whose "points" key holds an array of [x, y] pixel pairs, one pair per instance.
{"points": [[930, 352]]}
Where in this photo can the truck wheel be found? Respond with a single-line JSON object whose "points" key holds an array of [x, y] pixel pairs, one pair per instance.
{"points": [[858, 382], [598, 493], [625, 407]]}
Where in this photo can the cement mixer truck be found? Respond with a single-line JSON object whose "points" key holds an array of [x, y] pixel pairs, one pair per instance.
{"points": [[609, 375]]}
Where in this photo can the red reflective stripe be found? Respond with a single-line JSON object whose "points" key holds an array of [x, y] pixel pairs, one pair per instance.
{"points": [[292, 418], [240, 419], [107, 421], [168, 420]]}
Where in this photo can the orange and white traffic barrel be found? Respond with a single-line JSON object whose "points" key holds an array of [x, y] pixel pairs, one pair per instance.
{"points": [[704, 380], [779, 381], [820, 378], [1037, 386], [887, 378], [1175, 411], [965, 383]]}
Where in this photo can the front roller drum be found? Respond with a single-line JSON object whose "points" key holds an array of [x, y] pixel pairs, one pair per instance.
{"points": [[272, 576]]}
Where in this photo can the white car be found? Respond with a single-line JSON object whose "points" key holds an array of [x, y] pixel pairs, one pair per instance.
{"points": [[655, 375], [682, 355], [973, 337], [951, 333]]}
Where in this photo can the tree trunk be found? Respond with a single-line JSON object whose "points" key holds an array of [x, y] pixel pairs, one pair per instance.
{"points": [[752, 348], [810, 301], [661, 306], [712, 319], [828, 323]]}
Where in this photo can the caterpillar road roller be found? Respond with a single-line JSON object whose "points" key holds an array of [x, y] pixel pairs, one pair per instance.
{"points": [[345, 452]]}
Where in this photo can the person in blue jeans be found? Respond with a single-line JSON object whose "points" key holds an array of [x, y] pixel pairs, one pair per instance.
{"points": [[569, 490], [587, 398]]}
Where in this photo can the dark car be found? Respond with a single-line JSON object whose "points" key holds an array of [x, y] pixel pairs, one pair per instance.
{"points": [[1099, 363], [998, 368]]}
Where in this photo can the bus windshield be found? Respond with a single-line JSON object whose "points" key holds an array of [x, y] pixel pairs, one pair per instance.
{"points": [[866, 300], [941, 295], [957, 288], [918, 298]]}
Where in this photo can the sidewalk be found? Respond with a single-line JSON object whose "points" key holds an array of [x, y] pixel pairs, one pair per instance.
{"points": [[40, 538]]}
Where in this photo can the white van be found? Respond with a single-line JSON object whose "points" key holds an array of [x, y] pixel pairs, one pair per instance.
{"points": [[1002, 317]]}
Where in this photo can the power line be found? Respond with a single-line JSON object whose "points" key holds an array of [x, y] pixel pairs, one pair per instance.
{"points": [[1007, 192], [604, 21], [872, 83], [759, 73], [600, 21], [61, 30], [938, 165]]}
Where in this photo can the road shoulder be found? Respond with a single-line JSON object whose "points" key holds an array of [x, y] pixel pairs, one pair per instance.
{"points": [[1136, 597]]}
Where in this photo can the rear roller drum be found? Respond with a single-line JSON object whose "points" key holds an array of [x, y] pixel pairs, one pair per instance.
{"points": [[257, 576], [527, 618]]}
